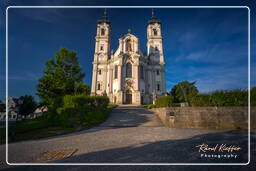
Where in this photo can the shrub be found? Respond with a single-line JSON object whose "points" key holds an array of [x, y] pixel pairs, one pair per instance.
{"points": [[81, 109], [165, 101], [149, 106], [201, 100], [230, 98], [253, 96], [221, 98]]}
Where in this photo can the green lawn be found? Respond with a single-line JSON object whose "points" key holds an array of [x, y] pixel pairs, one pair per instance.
{"points": [[40, 128]]}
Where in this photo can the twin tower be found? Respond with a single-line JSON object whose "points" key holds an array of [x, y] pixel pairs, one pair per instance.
{"points": [[128, 76]]}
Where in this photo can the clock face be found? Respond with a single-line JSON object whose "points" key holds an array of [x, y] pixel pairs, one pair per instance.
{"points": [[101, 56], [104, 26], [155, 26]]}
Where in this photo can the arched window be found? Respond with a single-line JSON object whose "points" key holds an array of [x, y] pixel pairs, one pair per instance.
{"points": [[155, 32], [98, 86], [116, 71], [156, 49], [158, 87], [102, 31], [128, 70], [128, 45], [101, 47]]}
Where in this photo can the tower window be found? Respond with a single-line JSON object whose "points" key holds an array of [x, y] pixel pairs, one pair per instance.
{"points": [[157, 72], [128, 45], [155, 32], [98, 86], [102, 31], [128, 70], [141, 72], [158, 87], [116, 71], [99, 71], [101, 47]]}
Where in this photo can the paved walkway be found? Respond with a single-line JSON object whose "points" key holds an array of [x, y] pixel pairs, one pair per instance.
{"points": [[132, 116], [130, 135]]}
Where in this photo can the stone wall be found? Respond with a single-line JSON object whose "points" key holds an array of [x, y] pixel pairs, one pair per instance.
{"points": [[207, 117]]}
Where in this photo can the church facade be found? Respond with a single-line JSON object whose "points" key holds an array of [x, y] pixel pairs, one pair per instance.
{"points": [[128, 76]]}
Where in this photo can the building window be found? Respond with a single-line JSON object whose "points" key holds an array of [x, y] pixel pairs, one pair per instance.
{"points": [[99, 71], [158, 87], [128, 70], [157, 72], [101, 47], [98, 86], [102, 31], [128, 45], [141, 72], [155, 32], [116, 71]]}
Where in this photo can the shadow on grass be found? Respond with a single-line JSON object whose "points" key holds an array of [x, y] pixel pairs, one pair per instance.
{"points": [[119, 117]]}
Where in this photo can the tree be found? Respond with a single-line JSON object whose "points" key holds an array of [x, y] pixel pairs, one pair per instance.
{"points": [[62, 76], [83, 89], [253, 96], [28, 105], [184, 91]]}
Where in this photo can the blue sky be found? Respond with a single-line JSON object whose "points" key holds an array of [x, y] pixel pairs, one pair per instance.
{"points": [[208, 46]]}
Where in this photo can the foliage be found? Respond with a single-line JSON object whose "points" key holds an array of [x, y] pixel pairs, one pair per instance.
{"points": [[230, 98], [28, 105], [222, 98], [50, 125], [149, 106], [165, 101], [82, 88], [201, 100], [184, 91], [253, 96], [79, 109], [62, 76]]}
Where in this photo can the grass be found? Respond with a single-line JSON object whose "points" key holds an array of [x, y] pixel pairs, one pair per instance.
{"points": [[149, 106], [39, 128]]}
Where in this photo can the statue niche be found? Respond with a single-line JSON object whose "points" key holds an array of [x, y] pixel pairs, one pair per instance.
{"points": [[128, 45]]}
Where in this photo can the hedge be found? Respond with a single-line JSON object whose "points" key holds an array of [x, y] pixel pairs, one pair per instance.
{"points": [[222, 98], [165, 101], [82, 109], [217, 98]]}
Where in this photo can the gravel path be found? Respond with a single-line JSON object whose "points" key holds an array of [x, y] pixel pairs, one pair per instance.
{"points": [[130, 135]]}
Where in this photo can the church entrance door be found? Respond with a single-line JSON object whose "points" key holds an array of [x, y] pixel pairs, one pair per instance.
{"points": [[128, 98]]}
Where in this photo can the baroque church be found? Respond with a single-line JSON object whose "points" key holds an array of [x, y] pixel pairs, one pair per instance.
{"points": [[128, 76]]}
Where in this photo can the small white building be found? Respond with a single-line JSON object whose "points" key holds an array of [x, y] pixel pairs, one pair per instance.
{"points": [[12, 110], [38, 112]]}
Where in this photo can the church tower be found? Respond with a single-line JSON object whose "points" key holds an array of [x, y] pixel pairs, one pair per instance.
{"points": [[154, 40], [155, 57], [101, 56]]}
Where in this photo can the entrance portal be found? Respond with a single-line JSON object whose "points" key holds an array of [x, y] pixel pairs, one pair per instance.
{"points": [[128, 98]]}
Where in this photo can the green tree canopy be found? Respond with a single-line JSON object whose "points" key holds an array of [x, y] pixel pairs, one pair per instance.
{"points": [[184, 91], [62, 76], [28, 105], [82, 89]]}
